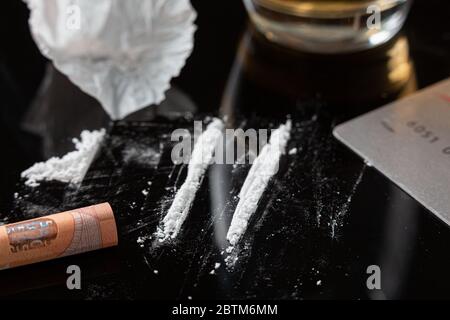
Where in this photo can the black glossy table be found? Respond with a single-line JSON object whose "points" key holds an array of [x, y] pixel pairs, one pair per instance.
{"points": [[325, 217]]}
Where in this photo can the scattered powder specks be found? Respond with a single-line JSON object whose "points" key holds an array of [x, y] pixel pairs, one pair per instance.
{"points": [[141, 241], [145, 192], [231, 260], [141, 155], [264, 167], [217, 265], [368, 164], [293, 151], [346, 205], [155, 271], [72, 167], [201, 158], [319, 282]]}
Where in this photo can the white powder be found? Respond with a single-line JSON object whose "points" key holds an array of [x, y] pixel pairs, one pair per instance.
{"points": [[141, 241], [264, 167], [201, 158], [293, 151], [72, 167], [369, 164], [141, 155]]}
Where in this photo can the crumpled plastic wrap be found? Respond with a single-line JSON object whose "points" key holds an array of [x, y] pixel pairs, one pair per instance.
{"points": [[122, 52]]}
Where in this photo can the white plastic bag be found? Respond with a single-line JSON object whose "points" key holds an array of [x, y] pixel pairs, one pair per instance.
{"points": [[122, 52]]}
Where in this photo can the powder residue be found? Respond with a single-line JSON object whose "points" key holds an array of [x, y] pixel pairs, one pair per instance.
{"points": [[201, 158], [70, 168], [336, 221], [264, 167], [140, 241], [141, 154]]}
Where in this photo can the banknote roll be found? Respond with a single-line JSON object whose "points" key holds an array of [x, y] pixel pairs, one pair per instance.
{"points": [[59, 235]]}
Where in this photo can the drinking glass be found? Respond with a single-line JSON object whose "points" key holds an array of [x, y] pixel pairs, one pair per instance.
{"points": [[328, 26]]}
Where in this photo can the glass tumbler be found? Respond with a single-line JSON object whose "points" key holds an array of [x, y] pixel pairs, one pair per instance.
{"points": [[328, 26]]}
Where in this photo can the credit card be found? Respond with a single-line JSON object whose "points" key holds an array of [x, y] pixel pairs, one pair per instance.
{"points": [[409, 142]]}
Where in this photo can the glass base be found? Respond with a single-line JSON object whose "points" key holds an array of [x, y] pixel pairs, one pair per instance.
{"points": [[343, 27]]}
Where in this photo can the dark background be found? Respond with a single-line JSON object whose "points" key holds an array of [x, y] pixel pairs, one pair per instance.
{"points": [[379, 209]]}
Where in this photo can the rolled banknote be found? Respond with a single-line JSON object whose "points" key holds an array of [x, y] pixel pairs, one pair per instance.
{"points": [[59, 235]]}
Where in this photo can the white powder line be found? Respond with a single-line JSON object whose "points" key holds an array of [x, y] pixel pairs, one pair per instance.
{"points": [[72, 167], [345, 207], [263, 169], [201, 158]]}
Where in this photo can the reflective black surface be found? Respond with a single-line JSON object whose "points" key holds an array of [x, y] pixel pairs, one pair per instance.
{"points": [[325, 217]]}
